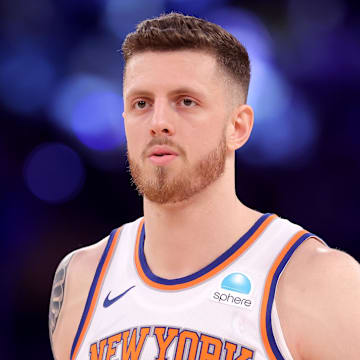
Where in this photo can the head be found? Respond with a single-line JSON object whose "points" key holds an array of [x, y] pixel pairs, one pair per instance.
{"points": [[185, 90]]}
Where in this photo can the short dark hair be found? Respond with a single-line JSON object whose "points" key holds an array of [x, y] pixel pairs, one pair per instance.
{"points": [[174, 31]]}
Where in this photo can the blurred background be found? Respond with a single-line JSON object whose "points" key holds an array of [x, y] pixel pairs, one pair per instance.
{"points": [[64, 178]]}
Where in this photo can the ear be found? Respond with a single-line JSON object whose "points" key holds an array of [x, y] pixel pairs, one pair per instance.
{"points": [[125, 124], [240, 128]]}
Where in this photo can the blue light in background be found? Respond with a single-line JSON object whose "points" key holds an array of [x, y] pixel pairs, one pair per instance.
{"points": [[90, 108], [285, 129], [26, 80], [121, 17], [54, 173], [285, 140], [97, 121], [247, 28], [72, 90], [98, 55], [191, 7], [269, 92]]}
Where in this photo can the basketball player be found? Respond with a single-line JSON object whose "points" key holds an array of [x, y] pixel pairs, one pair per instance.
{"points": [[200, 276]]}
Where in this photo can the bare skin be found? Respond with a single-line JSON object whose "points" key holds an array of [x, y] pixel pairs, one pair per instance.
{"points": [[318, 303], [80, 271], [319, 291]]}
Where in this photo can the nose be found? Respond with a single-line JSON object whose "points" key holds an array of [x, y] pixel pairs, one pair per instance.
{"points": [[161, 121]]}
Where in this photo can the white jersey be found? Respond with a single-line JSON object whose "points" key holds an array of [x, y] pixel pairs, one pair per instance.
{"points": [[224, 311]]}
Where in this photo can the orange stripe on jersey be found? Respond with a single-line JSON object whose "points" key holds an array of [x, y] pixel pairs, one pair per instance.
{"points": [[270, 285], [95, 294], [209, 273]]}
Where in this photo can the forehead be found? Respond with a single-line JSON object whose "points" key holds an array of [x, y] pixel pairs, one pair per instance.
{"points": [[172, 69]]}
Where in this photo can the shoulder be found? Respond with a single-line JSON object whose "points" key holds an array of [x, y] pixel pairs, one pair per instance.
{"points": [[317, 295], [71, 285]]}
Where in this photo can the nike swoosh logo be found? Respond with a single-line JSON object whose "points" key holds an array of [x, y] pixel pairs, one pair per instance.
{"points": [[108, 302]]}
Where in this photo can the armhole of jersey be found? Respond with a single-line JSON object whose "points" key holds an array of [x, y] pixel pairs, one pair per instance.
{"points": [[94, 292], [266, 323]]}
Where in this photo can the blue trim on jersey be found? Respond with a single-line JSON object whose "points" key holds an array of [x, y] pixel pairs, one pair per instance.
{"points": [[204, 270], [274, 282], [92, 290]]}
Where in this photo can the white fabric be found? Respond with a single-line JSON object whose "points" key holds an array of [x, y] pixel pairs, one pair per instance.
{"points": [[192, 308]]}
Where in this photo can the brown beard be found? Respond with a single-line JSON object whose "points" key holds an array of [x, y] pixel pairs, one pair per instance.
{"points": [[160, 188]]}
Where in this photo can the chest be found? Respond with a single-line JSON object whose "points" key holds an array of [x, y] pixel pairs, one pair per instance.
{"points": [[219, 318], [220, 312]]}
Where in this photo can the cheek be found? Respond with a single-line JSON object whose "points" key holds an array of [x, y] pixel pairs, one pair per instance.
{"points": [[210, 138], [133, 140], [137, 143], [200, 148], [127, 127]]}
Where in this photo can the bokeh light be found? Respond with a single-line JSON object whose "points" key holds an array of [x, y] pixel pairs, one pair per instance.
{"points": [[283, 140], [269, 92], [191, 7], [283, 130], [97, 121], [54, 173], [90, 108], [26, 80], [121, 17], [247, 28], [100, 56]]}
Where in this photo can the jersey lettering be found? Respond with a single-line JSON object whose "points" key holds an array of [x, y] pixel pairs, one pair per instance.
{"points": [[132, 350], [113, 340], [207, 343], [163, 343], [245, 353], [188, 344], [191, 339], [97, 352]]}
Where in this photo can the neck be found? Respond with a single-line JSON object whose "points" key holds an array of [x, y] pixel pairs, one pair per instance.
{"points": [[177, 234]]}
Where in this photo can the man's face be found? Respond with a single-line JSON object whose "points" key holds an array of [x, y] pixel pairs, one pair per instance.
{"points": [[175, 111]]}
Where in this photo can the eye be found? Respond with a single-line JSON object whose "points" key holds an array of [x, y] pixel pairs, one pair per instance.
{"points": [[140, 104], [187, 102]]}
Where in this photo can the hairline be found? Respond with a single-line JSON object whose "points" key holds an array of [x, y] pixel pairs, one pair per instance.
{"points": [[237, 88]]}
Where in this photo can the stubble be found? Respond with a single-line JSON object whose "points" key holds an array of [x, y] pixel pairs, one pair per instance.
{"points": [[160, 186]]}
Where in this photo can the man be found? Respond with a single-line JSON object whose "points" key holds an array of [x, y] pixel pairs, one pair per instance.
{"points": [[201, 276]]}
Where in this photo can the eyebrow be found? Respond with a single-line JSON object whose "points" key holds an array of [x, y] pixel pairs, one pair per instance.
{"points": [[179, 91], [186, 90]]}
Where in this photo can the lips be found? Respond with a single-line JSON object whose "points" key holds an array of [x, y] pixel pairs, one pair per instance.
{"points": [[160, 151], [162, 155]]}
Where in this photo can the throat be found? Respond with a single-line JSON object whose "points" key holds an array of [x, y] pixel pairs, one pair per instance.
{"points": [[186, 237], [170, 260]]}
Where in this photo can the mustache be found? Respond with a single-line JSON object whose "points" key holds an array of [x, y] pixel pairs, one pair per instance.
{"points": [[164, 140]]}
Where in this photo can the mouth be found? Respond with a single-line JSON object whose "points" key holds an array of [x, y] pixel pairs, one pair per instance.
{"points": [[161, 155], [160, 151]]}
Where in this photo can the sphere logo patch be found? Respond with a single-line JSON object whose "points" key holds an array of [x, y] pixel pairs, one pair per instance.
{"points": [[235, 289]]}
